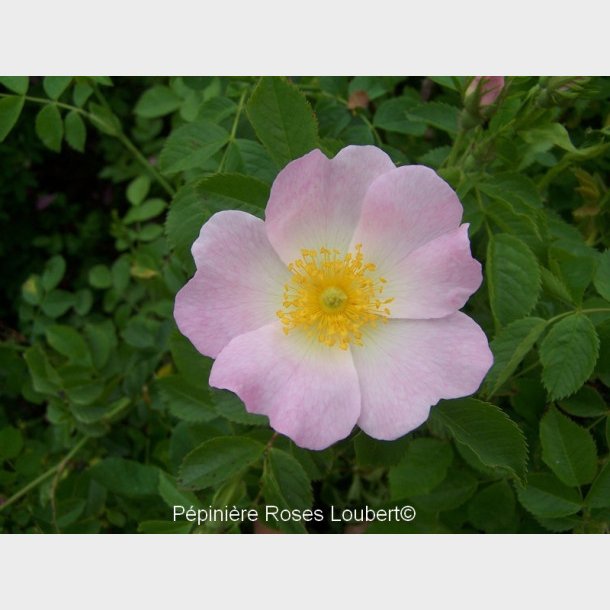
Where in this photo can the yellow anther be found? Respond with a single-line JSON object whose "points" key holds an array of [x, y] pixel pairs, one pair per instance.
{"points": [[332, 296]]}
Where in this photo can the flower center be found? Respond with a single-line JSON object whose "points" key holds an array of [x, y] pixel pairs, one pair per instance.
{"points": [[333, 296]]}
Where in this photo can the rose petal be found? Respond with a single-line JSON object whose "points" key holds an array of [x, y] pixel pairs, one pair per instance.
{"points": [[315, 202], [406, 366], [309, 391], [434, 280], [404, 209], [238, 286]]}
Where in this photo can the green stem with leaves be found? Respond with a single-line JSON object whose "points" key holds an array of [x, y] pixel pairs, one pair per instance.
{"points": [[118, 133], [233, 133], [46, 475]]}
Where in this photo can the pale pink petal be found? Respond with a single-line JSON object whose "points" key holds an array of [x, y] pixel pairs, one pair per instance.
{"points": [[309, 391], [238, 285], [406, 366], [434, 280], [315, 202], [403, 210]]}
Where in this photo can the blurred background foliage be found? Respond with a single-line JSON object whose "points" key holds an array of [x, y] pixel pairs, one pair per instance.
{"points": [[106, 417]]}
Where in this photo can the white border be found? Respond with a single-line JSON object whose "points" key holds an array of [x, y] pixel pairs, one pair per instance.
{"points": [[420, 571], [305, 38]]}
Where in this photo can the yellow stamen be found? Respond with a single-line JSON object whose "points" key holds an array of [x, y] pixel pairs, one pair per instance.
{"points": [[332, 297]]}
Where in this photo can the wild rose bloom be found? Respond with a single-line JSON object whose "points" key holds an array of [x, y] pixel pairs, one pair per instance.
{"points": [[341, 308], [488, 89]]}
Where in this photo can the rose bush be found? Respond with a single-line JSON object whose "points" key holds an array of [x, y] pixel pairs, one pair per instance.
{"points": [[108, 420]]}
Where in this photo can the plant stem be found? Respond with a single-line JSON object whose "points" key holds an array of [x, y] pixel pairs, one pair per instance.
{"points": [[240, 107], [131, 147], [120, 135], [43, 477], [372, 128]]}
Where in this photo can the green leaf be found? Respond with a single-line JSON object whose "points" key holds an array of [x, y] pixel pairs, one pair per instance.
{"points": [[513, 278], [32, 291], [373, 86], [283, 119], [435, 158], [190, 363], [599, 494], [486, 430], [104, 119], [139, 332], [576, 271], [568, 354], [50, 127], [422, 468], [10, 109], [217, 460], [455, 83], [69, 343], [57, 302], [317, 464], [145, 211], [286, 485], [54, 272], [173, 496], [11, 443], [547, 136], [567, 449], [250, 158], [102, 340], [76, 132], [195, 203], [555, 286], [515, 188], [81, 93], [560, 524], [373, 452], [83, 392], [492, 509], [44, 377], [138, 189], [17, 84], [513, 222], [437, 114], [231, 407], [190, 145], [285, 482], [156, 102], [185, 401], [126, 477], [601, 279], [392, 115], [587, 402], [54, 86], [457, 487], [545, 496], [197, 83], [509, 347], [100, 277]]}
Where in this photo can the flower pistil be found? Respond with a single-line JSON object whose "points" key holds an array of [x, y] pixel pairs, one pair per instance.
{"points": [[333, 296]]}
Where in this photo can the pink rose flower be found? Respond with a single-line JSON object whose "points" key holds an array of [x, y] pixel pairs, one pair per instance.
{"points": [[341, 308], [488, 88]]}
